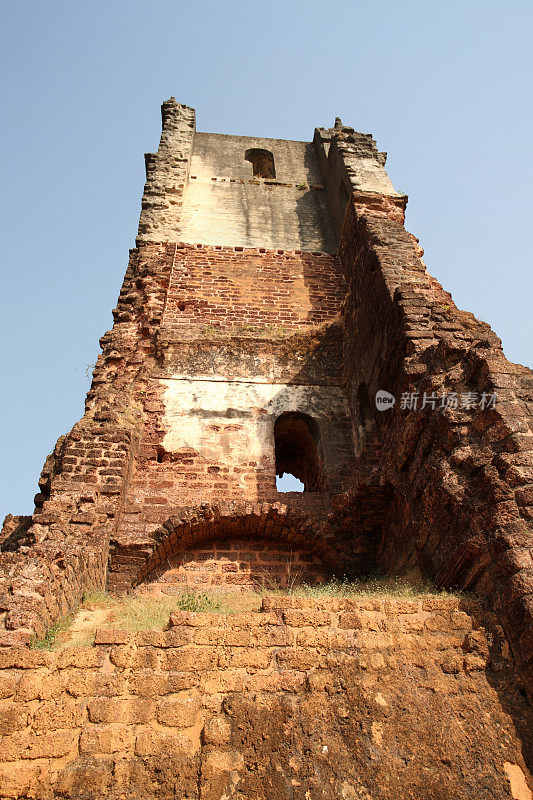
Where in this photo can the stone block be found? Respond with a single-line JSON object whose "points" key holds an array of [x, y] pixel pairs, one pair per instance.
{"points": [[216, 731], [288, 680], [476, 642], [299, 658], [102, 739], [221, 759], [176, 638], [179, 712], [122, 655], [13, 717], [23, 658], [411, 622], [442, 604], [377, 620], [20, 779], [370, 640], [308, 637], [147, 683], [105, 636], [321, 680], [270, 636], [151, 742], [39, 685], [147, 658], [350, 619], [396, 606], [195, 659], [253, 658], [437, 622], [223, 681], [216, 636], [252, 620], [52, 744], [190, 619], [53, 715], [341, 640], [474, 662], [87, 684], [451, 662], [304, 618], [461, 620], [136, 710], [85, 777], [80, 657], [8, 683]]}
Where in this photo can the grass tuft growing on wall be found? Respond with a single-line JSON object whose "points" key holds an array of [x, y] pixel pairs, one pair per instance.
{"points": [[52, 638], [148, 612], [410, 585], [139, 612]]}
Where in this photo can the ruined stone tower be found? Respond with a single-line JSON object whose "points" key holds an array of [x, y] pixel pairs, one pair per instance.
{"points": [[272, 298]]}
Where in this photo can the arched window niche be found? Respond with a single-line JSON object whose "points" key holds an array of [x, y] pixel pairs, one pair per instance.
{"points": [[298, 450], [262, 162]]}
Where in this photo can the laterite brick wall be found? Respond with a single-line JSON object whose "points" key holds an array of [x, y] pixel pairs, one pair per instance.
{"points": [[458, 477], [311, 698], [239, 564], [214, 285]]}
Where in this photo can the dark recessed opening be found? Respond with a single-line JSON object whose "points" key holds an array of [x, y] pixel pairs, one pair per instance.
{"points": [[298, 451], [364, 405], [262, 162]]}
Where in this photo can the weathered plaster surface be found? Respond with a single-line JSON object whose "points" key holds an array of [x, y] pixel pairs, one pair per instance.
{"points": [[259, 214], [224, 204], [233, 421], [221, 155]]}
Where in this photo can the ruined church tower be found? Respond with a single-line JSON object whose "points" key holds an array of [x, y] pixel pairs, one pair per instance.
{"points": [[232, 318], [272, 295]]}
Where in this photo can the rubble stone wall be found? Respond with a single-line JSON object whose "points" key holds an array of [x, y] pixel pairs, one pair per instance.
{"points": [[64, 550], [167, 174], [330, 698]]}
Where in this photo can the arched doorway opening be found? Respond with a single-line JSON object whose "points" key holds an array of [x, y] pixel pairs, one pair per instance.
{"points": [[298, 450], [262, 162]]}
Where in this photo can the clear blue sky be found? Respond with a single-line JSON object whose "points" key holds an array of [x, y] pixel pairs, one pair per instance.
{"points": [[444, 87]]}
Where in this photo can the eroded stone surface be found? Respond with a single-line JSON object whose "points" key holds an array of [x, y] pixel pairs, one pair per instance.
{"points": [[311, 698]]}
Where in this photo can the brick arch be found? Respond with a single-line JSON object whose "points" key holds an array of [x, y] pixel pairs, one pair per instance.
{"points": [[267, 522]]}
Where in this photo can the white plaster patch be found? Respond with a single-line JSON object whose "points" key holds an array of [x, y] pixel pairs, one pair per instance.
{"points": [[233, 421], [251, 215]]}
